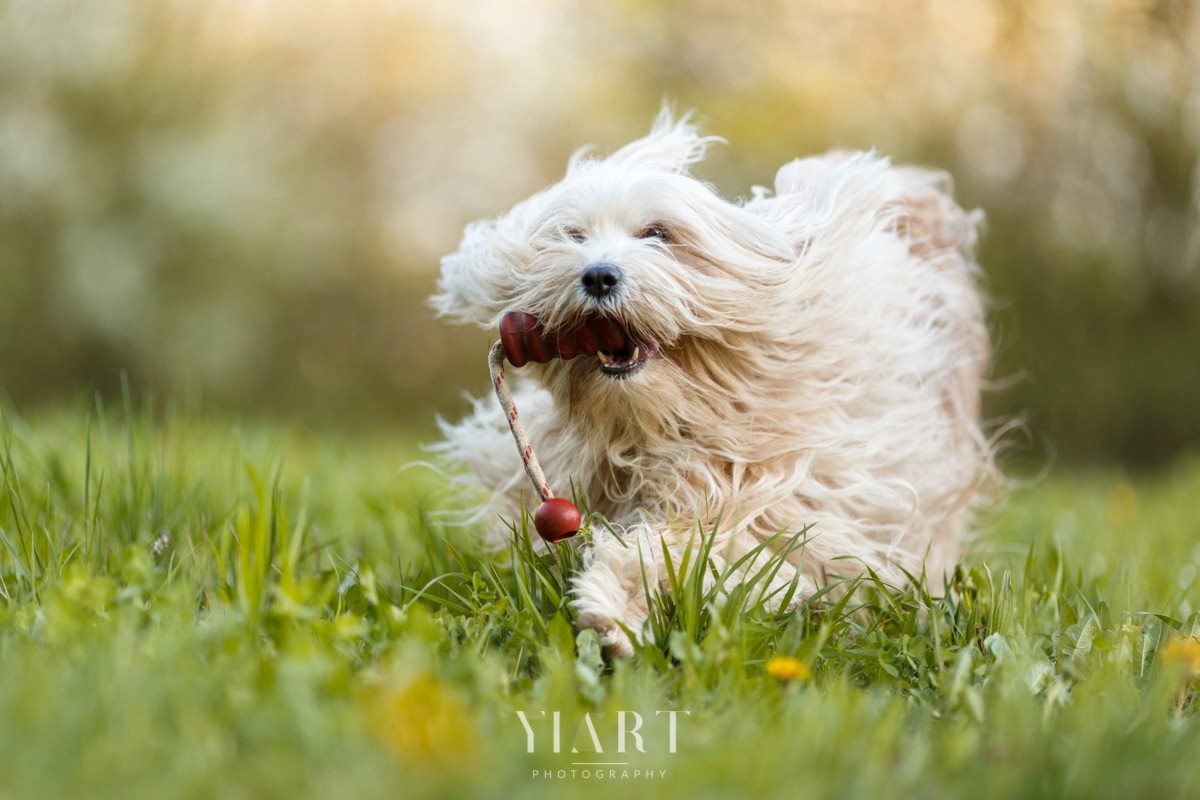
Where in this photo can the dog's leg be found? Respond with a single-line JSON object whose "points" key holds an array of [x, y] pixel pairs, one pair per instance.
{"points": [[611, 589]]}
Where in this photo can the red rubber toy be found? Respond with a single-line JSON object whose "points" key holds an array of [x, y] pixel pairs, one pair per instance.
{"points": [[523, 340], [526, 341]]}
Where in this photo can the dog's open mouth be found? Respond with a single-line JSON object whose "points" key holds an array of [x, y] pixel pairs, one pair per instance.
{"points": [[620, 359], [620, 350]]}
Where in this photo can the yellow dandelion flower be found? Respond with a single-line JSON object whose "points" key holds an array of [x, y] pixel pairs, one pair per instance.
{"points": [[786, 668], [1182, 653], [424, 722]]}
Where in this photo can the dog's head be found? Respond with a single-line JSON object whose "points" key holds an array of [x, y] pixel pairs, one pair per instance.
{"points": [[632, 238]]}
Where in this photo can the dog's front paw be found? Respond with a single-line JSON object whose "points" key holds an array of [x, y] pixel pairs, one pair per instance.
{"points": [[612, 636], [610, 593]]}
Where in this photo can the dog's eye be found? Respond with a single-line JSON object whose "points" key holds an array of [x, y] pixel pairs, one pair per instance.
{"points": [[655, 232], [575, 234]]}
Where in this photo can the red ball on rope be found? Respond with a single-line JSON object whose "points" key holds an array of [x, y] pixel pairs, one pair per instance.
{"points": [[557, 519]]}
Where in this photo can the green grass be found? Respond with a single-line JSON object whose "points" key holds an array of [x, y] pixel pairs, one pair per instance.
{"points": [[310, 627]]}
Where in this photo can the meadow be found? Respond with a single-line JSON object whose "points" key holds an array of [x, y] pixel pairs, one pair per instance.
{"points": [[191, 607]]}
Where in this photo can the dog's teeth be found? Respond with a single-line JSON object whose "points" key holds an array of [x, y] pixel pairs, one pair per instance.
{"points": [[604, 357], [634, 357]]}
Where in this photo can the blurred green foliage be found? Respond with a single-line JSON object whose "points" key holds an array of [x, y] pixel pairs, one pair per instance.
{"points": [[250, 198]]}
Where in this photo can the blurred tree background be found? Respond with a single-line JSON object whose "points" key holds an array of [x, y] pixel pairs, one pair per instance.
{"points": [[248, 198]]}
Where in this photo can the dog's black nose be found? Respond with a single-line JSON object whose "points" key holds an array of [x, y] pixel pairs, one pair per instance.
{"points": [[599, 280]]}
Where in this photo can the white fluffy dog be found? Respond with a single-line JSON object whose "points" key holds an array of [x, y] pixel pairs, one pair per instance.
{"points": [[812, 356]]}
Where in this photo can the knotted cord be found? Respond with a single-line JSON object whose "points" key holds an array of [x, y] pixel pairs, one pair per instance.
{"points": [[532, 468]]}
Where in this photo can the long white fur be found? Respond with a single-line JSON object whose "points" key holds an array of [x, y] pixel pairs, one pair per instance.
{"points": [[823, 352]]}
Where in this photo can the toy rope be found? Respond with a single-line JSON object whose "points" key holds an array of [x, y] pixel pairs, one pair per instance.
{"points": [[532, 468]]}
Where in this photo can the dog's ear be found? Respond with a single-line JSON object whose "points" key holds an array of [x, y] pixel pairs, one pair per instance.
{"points": [[472, 287], [671, 146]]}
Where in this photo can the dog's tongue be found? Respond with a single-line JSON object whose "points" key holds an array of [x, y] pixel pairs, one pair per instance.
{"points": [[525, 339]]}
